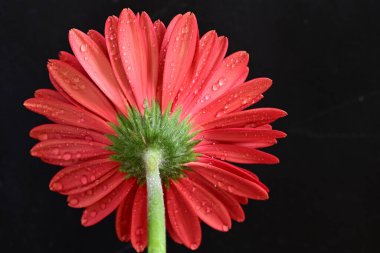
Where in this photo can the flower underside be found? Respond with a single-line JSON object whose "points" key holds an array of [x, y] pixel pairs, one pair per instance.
{"points": [[154, 130]]}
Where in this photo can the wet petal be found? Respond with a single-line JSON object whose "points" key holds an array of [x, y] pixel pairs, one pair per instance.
{"points": [[160, 29], [72, 61], [229, 182], [183, 219], [253, 117], [66, 114], [114, 54], [179, 56], [208, 61], [82, 176], [98, 38], [81, 89], [133, 54], [98, 211], [234, 100], [224, 77], [139, 226], [152, 51], [50, 94], [241, 135], [96, 64], [230, 203], [208, 208], [69, 150], [238, 154], [124, 217], [89, 197], [163, 51], [58, 131]]}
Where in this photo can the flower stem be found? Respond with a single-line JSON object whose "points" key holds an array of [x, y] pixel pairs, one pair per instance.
{"points": [[156, 207]]}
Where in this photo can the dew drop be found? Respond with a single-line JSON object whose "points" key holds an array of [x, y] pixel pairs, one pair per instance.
{"points": [[93, 214], [92, 178], [222, 81], [83, 47], [102, 206], [84, 180], [215, 87], [66, 156], [208, 210], [55, 151]]}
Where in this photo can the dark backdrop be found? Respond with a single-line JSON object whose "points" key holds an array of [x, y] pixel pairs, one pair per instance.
{"points": [[323, 58]]}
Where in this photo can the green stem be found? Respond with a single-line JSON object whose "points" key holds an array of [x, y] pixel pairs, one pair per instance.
{"points": [[156, 207]]}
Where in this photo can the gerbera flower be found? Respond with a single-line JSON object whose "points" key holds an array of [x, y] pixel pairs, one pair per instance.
{"points": [[146, 120]]}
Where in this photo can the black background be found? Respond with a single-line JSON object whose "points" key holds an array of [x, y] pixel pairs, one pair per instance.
{"points": [[324, 59]]}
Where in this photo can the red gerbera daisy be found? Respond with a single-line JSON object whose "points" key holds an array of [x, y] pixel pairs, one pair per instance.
{"points": [[145, 119]]}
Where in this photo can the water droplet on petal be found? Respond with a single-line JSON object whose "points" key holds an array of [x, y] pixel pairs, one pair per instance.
{"points": [[83, 47], [66, 156], [84, 180], [55, 151]]}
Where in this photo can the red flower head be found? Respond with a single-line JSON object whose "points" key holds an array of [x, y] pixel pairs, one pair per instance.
{"points": [[146, 102]]}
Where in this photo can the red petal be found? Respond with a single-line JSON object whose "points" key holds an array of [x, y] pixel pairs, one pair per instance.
{"points": [[133, 54], [214, 60], [230, 203], [69, 150], [205, 205], [241, 135], [229, 181], [238, 154], [163, 50], [82, 176], [179, 56], [254, 117], [96, 64], [114, 54], [182, 218], [225, 77], [81, 89], [233, 100], [96, 193], [98, 211], [230, 168], [139, 226], [72, 61], [240, 199], [58, 131], [62, 92], [66, 114], [98, 38], [200, 69], [172, 233], [152, 51], [124, 217], [160, 29], [50, 94]]}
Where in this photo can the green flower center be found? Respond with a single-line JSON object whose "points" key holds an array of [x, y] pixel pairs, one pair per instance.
{"points": [[165, 132]]}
